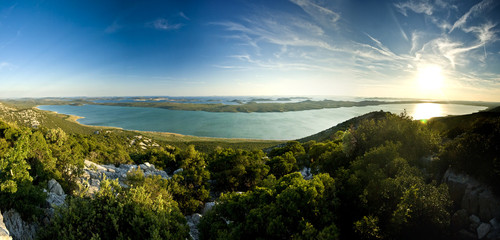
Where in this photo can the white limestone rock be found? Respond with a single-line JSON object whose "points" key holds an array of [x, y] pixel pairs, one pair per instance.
{"points": [[18, 228], [4, 233]]}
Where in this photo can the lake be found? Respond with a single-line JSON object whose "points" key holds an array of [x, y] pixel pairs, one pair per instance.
{"points": [[279, 125]]}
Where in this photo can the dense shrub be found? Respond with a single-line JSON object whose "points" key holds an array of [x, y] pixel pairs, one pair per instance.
{"points": [[237, 170], [118, 213], [291, 208]]}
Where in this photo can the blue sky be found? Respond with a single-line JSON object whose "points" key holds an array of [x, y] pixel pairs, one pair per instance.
{"points": [[425, 49]]}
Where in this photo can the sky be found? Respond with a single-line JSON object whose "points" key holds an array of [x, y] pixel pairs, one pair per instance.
{"points": [[432, 49]]}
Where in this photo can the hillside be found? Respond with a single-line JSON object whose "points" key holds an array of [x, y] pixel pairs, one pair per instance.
{"points": [[376, 176]]}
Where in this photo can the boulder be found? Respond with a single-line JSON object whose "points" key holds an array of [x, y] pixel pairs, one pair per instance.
{"points": [[495, 223], [474, 222], [306, 173], [178, 171], [55, 187], [471, 195], [18, 228], [147, 167], [483, 230], [4, 233], [92, 165], [55, 200], [192, 222], [457, 183], [55, 195], [208, 206]]}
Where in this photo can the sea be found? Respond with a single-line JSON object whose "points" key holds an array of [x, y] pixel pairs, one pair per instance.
{"points": [[255, 125]]}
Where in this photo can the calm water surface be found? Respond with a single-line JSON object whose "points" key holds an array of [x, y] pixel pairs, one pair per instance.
{"points": [[287, 125]]}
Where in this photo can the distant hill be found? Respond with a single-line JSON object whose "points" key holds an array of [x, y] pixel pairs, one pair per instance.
{"points": [[449, 124], [453, 126], [328, 133]]}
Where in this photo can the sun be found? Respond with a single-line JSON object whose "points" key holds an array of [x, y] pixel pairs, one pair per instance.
{"points": [[430, 78]]}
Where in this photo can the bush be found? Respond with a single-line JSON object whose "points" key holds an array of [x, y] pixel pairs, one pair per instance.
{"points": [[291, 208], [237, 170], [117, 213]]}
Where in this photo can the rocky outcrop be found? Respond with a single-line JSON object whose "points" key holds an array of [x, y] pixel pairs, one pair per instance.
{"points": [[306, 173], [18, 228], [208, 206], [55, 194], [469, 194], [476, 201], [4, 233], [193, 221], [94, 173]]}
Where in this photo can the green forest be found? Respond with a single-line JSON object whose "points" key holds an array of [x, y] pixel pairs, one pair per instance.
{"points": [[375, 178]]}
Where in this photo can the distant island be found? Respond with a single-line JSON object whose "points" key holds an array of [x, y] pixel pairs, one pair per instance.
{"points": [[276, 106], [281, 104]]}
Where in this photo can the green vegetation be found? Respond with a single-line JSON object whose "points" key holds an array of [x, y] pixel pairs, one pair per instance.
{"points": [[139, 212], [290, 208], [269, 107], [252, 106], [371, 180]]}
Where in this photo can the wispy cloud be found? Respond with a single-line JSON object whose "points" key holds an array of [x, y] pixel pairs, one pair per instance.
{"points": [[290, 32], [164, 24], [303, 42], [322, 14], [183, 15], [6, 66], [473, 11], [114, 27], [415, 6]]}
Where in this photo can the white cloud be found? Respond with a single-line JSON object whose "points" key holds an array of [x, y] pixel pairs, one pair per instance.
{"points": [[163, 24], [320, 13], [183, 15], [473, 11], [288, 32], [484, 33], [6, 65], [415, 6]]}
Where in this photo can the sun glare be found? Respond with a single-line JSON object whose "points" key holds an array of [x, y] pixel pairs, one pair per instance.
{"points": [[430, 78], [425, 111]]}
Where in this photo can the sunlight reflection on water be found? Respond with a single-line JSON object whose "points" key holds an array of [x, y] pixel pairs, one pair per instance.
{"points": [[427, 110]]}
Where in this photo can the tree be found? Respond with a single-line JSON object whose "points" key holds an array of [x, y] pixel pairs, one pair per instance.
{"points": [[292, 208], [118, 213], [190, 187], [16, 188], [237, 170]]}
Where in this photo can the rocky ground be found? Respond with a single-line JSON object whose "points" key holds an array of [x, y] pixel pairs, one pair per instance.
{"points": [[479, 209], [27, 116]]}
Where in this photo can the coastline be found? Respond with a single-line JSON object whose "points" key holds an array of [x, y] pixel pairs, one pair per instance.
{"points": [[171, 136], [74, 119]]}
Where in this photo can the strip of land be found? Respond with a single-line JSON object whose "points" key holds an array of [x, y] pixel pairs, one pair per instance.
{"points": [[277, 107], [244, 107]]}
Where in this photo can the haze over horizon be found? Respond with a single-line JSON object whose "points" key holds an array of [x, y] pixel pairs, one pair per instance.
{"points": [[438, 49]]}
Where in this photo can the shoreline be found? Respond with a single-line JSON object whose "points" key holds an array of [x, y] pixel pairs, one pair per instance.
{"points": [[75, 118], [183, 137]]}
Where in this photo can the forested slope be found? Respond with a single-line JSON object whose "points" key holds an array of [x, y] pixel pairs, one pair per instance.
{"points": [[376, 178]]}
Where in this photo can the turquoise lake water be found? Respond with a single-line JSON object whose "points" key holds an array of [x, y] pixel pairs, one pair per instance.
{"points": [[282, 125]]}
